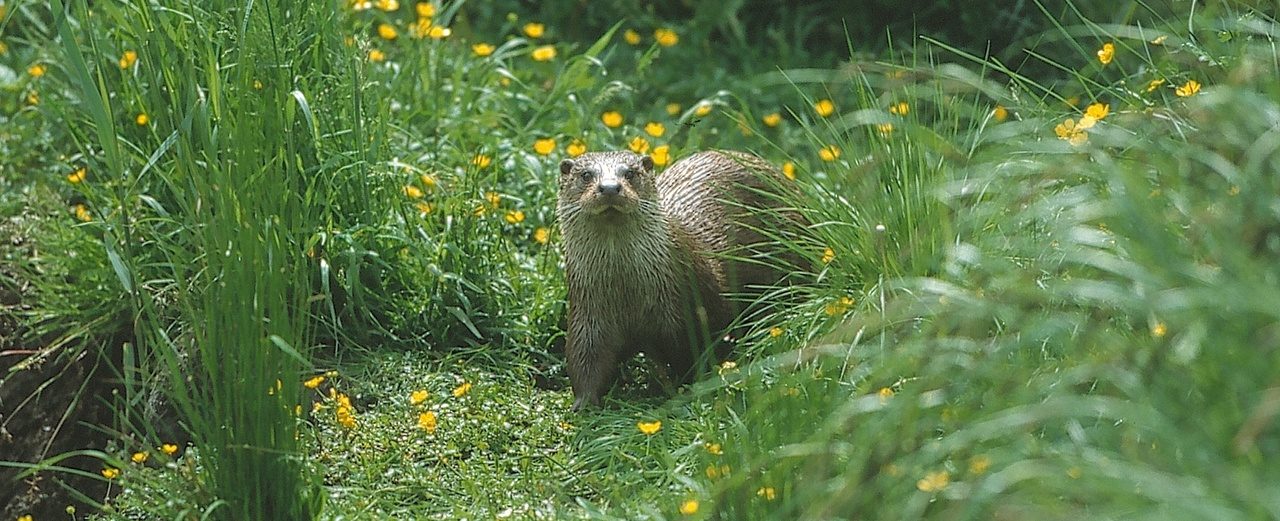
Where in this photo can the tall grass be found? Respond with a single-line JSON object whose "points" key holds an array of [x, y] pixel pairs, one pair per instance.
{"points": [[209, 211]]}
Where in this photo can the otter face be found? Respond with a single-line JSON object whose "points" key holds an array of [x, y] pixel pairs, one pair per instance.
{"points": [[607, 184]]}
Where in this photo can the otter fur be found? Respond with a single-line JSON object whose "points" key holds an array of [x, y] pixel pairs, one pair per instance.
{"points": [[650, 259]]}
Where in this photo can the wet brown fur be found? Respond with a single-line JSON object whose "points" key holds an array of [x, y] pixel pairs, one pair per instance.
{"points": [[646, 266]]}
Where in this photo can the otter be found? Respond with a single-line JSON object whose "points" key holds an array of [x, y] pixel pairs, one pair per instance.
{"points": [[650, 260]]}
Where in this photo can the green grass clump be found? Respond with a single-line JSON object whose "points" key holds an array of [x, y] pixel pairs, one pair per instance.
{"points": [[331, 248]]}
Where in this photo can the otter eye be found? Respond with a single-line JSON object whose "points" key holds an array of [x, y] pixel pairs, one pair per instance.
{"points": [[585, 176], [630, 173]]}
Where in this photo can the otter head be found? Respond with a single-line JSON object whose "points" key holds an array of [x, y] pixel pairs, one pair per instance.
{"points": [[607, 185]]}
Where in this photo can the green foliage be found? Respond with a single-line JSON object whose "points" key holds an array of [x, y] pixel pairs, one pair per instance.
{"points": [[1011, 315]]}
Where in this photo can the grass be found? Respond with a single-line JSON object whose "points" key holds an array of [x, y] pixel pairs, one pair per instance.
{"points": [[1011, 316]]}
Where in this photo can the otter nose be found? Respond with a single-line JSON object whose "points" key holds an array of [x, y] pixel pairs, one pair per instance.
{"points": [[609, 187]]}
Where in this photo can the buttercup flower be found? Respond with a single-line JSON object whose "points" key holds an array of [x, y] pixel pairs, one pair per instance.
{"points": [[638, 145], [545, 53], [82, 213], [829, 153], [78, 176], [655, 129], [1000, 113], [661, 155], [1069, 131], [463, 389], [884, 128], [128, 59], [768, 493], [772, 120], [673, 109], [934, 481], [139, 457], [142, 119], [1154, 84], [1097, 111], [376, 55], [169, 449], [900, 108], [482, 49], [37, 70], [412, 192], [714, 448], [649, 428], [1188, 89], [439, 32], [388, 5], [541, 235], [1107, 53], [418, 396], [612, 119], [425, 9], [666, 37], [789, 170], [1159, 330], [576, 148], [534, 30], [387, 32], [631, 37], [313, 382], [689, 507], [514, 217], [824, 107], [702, 109], [110, 473], [775, 332], [544, 146], [481, 160], [427, 421]]}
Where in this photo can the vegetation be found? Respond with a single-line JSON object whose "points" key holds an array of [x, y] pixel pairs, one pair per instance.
{"points": [[279, 260]]}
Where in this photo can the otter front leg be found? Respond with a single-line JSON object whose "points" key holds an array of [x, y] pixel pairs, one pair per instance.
{"points": [[592, 367]]}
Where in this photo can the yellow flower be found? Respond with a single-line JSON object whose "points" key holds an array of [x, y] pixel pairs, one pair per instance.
{"points": [[649, 428], [427, 421], [27, 517], [110, 473], [481, 160], [1188, 89], [713, 471], [702, 109], [37, 70], [346, 416], [1107, 53], [838, 307], [1070, 132], [388, 5], [541, 235], [313, 382], [139, 457], [439, 32], [387, 32], [77, 177], [884, 129], [425, 9], [33, 98], [494, 199], [900, 108], [828, 255], [514, 217], [82, 213], [673, 109], [655, 129], [427, 181], [789, 170], [376, 55], [639, 145], [689, 507], [775, 332], [768, 493], [772, 120], [1159, 40], [418, 396], [612, 119], [257, 84], [631, 37], [169, 449], [412, 192], [576, 148], [1159, 330], [534, 30], [424, 207], [482, 49], [884, 393], [661, 155], [545, 53], [829, 153], [1000, 113], [128, 59], [714, 448], [1154, 84], [666, 37], [544, 146], [824, 107], [1097, 111], [142, 119], [462, 390], [934, 481], [979, 464]]}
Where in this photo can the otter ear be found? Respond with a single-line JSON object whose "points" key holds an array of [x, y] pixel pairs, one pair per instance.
{"points": [[566, 166], [647, 163]]}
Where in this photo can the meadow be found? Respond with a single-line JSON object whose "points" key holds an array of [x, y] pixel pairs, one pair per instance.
{"points": [[299, 260]]}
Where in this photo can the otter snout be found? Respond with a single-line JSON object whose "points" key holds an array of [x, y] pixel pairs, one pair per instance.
{"points": [[609, 185]]}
